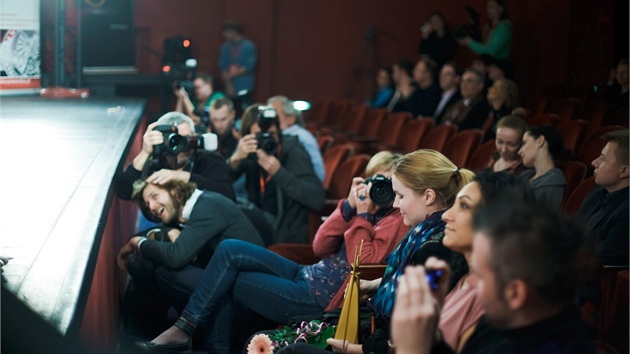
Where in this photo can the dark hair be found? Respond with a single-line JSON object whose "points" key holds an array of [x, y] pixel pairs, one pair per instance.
{"points": [[406, 66], [250, 117], [479, 75], [222, 101], [458, 70], [534, 242], [205, 77], [179, 190], [430, 65], [493, 184], [620, 137], [553, 139], [232, 25], [504, 14]]}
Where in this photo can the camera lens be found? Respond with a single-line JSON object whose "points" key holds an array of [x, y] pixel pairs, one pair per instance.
{"points": [[381, 193]]}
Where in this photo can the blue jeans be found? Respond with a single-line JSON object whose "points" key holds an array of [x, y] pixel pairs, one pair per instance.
{"points": [[257, 278]]}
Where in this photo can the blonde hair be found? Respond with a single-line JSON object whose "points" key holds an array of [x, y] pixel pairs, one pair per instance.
{"points": [[381, 160], [429, 169]]}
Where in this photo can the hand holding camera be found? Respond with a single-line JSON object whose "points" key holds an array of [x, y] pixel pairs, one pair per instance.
{"points": [[150, 138]]}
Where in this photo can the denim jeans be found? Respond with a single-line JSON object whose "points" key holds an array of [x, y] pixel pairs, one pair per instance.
{"points": [[257, 278]]}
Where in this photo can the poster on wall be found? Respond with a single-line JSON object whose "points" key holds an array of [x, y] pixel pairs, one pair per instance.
{"points": [[20, 54]]}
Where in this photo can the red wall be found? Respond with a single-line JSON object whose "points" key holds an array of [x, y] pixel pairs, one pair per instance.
{"points": [[308, 48]]}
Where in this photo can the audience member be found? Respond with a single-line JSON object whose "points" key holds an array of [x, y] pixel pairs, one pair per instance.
{"points": [[205, 168], [427, 97], [437, 41], [237, 62], [384, 89], [605, 209], [450, 77], [176, 264], [281, 183], [204, 95], [291, 123], [222, 117], [526, 266], [406, 88], [497, 33], [471, 111], [510, 130], [278, 288], [426, 183], [542, 147], [402, 77], [617, 94], [502, 97], [482, 64]]}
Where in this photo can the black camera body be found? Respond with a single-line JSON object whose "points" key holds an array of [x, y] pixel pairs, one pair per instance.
{"points": [[470, 29], [266, 141], [174, 143], [187, 85], [381, 193]]}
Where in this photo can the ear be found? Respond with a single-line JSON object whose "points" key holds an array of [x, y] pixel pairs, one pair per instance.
{"points": [[624, 172], [515, 294], [540, 141], [429, 196]]}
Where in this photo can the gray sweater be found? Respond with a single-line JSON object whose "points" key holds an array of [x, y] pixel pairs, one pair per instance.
{"points": [[548, 187]]}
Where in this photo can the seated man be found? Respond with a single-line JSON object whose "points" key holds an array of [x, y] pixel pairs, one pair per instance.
{"points": [[281, 184], [180, 257], [205, 168], [450, 76], [605, 211], [526, 266], [291, 123], [472, 109], [222, 116]]}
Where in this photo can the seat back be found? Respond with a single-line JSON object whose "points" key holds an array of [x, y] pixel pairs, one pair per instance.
{"points": [[413, 133], [595, 114], [574, 172], [567, 108], [618, 117], [373, 121], [576, 198], [543, 119], [437, 137], [333, 158], [480, 157], [573, 134], [460, 147], [543, 104], [392, 126], [325, 142], [342, 177], [356, 118]]}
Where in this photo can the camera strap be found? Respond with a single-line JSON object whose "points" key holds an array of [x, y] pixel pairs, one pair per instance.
{"points": [[264, 180]]}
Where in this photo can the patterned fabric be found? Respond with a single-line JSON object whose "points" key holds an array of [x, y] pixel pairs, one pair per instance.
{"points": [[431, 228], [326, 277]]}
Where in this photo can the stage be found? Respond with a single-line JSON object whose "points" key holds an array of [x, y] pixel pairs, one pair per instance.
{"points": [[58, 162]]}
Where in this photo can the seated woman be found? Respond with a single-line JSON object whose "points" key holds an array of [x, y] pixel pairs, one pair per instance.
{"points": [[542, 147], [277, 288], [461, 310], [384, 89], [426, 183], [510, 130]]}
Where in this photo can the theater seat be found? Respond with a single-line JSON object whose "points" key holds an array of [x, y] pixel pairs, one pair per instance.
{"points": [[461, 146], [480, 157], [593, 144], [333, 158], [574, 172], [578, 195], [436, 139], [573, 133], [413, 133]]}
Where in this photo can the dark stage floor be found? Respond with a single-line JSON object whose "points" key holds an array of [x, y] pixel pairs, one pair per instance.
{"points": [[58, 160]]}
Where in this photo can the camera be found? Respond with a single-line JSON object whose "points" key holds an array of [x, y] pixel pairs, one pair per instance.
{"points": [[187, 85], [266, 141], [433, 278], [470, 29], [174, 143], [381, 193]]}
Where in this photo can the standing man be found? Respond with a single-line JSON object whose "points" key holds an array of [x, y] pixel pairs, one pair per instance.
{"points": [[204, 95], [237, 62], [291, 123]]}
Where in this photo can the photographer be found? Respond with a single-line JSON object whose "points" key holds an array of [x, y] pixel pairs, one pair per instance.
{"points": [[437, 41], [207, 169], [497, 33], [204, 95], [222, 115], [281, 184]]}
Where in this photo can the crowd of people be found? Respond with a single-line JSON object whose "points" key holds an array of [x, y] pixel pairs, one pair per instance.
{"points": [[514, 268]]}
